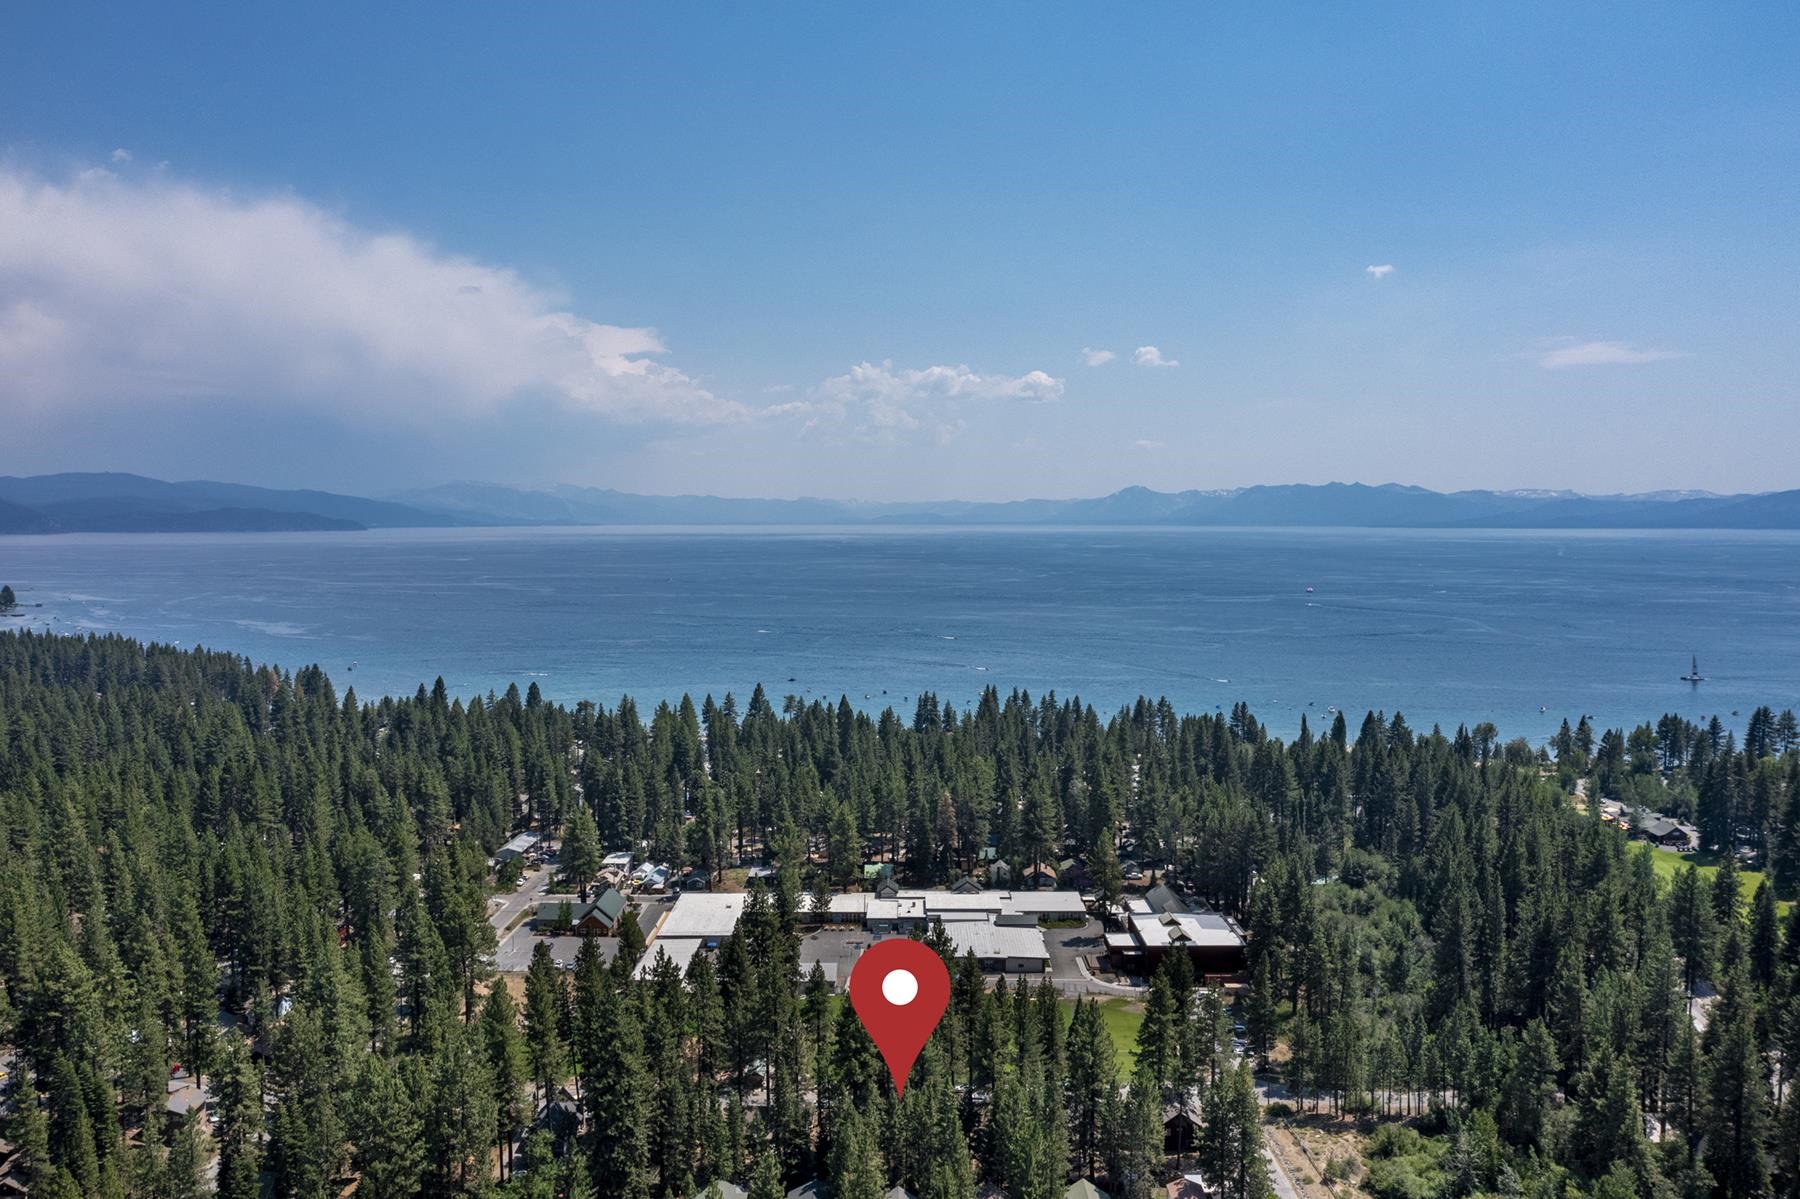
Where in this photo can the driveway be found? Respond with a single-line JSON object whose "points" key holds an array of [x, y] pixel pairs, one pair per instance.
{"points": [[1071, 949]]}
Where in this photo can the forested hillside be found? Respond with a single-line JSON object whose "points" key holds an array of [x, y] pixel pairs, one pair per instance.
{"points": [[220, 866]]}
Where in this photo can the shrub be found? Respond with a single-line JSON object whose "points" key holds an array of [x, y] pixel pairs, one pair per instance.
{"points": [[1394, 1140], [1402, 1178]]}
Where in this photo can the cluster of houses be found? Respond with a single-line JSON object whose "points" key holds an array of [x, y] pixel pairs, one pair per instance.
{"points": [[597, 910]]}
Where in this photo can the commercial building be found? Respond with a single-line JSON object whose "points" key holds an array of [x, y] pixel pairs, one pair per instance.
{"points": [[1000, 948], [890, 909], [1161, 923], [707, 915]]}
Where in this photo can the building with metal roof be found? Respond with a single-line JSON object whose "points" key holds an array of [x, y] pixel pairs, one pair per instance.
{"points": [[518, 847], [1000, 948]]}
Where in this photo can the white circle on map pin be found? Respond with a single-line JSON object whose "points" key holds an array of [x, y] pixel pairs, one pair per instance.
{"points": [[899, 987]]}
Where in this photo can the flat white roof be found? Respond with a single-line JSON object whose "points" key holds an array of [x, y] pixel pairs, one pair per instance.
{"points": [[1048, 903], [950, 901], [951, 905], [681, 951], [996, 940], [703, 914]]}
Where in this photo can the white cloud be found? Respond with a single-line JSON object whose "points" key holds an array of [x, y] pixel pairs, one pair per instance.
{"points": [[1380, 272], [1601, 353], [121, 155], [878, 401], [1096, 357], [1147, 443], [127, 293], [882, 381], [1151, 356]]}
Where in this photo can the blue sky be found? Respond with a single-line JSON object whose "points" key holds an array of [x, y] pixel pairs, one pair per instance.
{"points": [[862, 251]]}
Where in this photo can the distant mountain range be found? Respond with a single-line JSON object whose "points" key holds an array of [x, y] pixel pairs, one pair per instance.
{"points": [[123, 503], [120, 503]]}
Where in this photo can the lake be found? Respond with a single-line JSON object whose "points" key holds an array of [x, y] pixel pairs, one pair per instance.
{"points": [[1520, 628]]}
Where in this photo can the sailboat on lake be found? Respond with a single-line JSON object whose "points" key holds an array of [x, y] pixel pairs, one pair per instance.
{"points": [[1693, 675]]}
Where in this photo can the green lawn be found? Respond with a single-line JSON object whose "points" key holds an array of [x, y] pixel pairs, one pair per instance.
{"points": [[1668, 862], [1121, 1017]]}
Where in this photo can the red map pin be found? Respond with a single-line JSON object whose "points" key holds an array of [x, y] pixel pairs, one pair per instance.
{"points": [[900, 989]]}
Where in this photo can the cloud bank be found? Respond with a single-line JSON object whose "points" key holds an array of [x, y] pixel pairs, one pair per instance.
{"points": [[121, 291]]}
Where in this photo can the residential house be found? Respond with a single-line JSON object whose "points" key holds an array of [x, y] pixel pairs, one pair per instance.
{"points": [[1670, 834], [519, 847], [1181, 1127], [1190, 1186], [721, 1189]]}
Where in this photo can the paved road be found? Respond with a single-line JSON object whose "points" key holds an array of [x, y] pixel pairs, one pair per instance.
{"points": [[1278, 1176], [516, 905]]}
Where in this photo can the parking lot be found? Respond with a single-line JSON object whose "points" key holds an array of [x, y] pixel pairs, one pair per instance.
{"points": [[837, 950]]}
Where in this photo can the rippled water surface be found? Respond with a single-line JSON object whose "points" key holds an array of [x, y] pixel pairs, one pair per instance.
{"points": [[1446, 627]]}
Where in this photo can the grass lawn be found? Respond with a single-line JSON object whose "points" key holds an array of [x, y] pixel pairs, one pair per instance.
{"points": [[1121, 1017], [1668, 863]]}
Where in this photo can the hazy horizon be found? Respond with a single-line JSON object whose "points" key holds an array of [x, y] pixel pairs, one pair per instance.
{"points": [[380, 490]]}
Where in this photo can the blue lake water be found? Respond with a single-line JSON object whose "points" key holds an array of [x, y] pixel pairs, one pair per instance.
{"points": [[1445, 626]]}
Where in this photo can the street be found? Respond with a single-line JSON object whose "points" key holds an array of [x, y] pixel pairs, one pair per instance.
{"points": [[510, 914]]}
